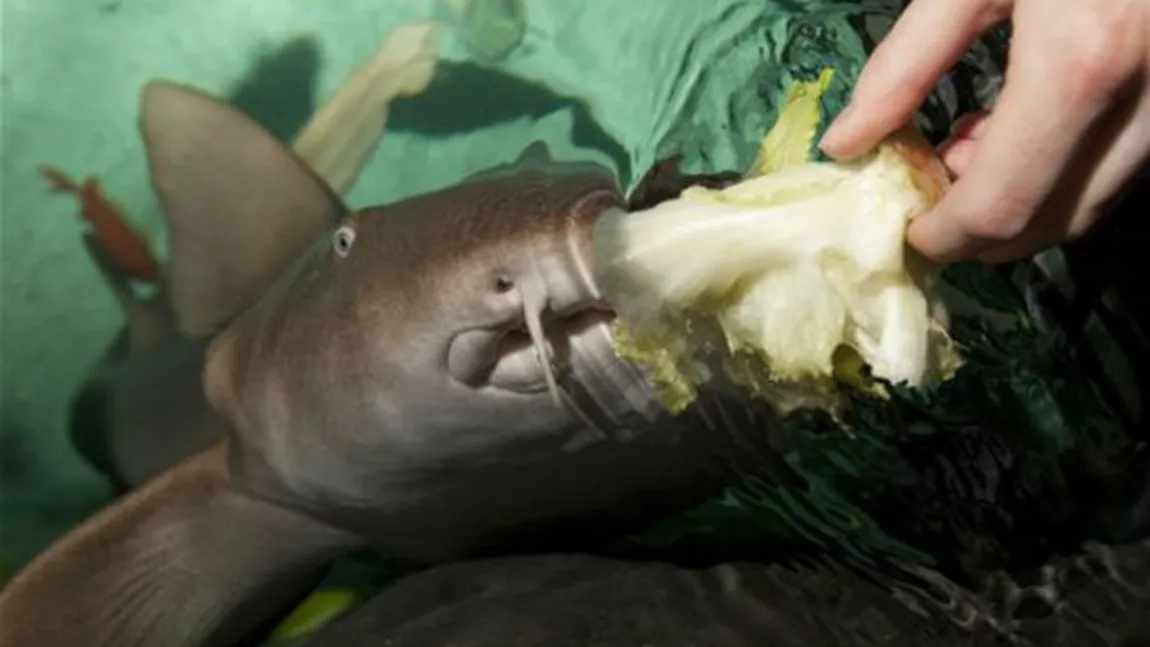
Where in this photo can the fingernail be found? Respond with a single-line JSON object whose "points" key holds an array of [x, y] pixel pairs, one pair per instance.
{"points": [[828, 143]]}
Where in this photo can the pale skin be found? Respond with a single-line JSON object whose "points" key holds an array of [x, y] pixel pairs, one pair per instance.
{"points": [[1069, 133]]}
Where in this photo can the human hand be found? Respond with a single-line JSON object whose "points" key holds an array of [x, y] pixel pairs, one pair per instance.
{"points": [[1069, 131]]}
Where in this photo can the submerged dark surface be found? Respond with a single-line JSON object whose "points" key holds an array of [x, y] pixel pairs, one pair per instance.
{"points": [[1100, 598]]}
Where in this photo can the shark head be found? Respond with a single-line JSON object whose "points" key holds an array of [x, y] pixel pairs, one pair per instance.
{"points": [[382, 345], [470, 308]]}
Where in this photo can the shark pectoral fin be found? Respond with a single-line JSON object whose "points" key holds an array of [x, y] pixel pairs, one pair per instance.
{"points": [[344, 132], [184, 560], [240, 206], [150, 321]]}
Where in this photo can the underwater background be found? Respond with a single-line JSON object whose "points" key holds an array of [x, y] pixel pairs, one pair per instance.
{"points": [[1036, 447]]}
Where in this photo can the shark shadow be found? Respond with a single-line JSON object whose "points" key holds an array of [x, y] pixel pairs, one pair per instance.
{"points": [[465, 97], [279, 91]]}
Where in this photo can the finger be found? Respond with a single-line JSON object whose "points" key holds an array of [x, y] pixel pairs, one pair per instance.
{"points": [[957, 150], [929, 37], [972, 125], [1026, 146], [1098, 180], [1124, 142], [956, 154], [1046, 230], [1025, 246]]}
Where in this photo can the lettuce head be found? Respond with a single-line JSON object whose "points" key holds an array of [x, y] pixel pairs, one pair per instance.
{"points": [[795, 283]]}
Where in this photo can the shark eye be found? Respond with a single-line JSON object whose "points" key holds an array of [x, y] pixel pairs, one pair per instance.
{"points": [[342, 239]]}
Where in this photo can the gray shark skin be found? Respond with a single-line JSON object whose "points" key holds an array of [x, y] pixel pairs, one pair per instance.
{"points": [[148, 376], [1099, 598], [117, 409], [151, 371], [432, 379]]}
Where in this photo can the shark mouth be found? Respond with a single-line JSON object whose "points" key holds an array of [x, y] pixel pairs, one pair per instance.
{"points": [[565, 295], [558, 313], [534, 356], [530, 355]]}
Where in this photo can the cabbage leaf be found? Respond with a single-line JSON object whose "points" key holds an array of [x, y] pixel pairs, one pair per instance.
{"points": [[794, 283]]}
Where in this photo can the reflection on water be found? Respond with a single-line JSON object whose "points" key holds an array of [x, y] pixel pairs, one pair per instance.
{"points": [[490, 29], [1011, 463], [795, 41]]}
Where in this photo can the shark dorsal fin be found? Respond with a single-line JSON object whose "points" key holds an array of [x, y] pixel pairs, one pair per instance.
{"points": [[534, 157], [240, 206]]}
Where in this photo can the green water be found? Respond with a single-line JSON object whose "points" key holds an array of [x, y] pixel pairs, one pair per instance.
{"points": [[621, 83]]}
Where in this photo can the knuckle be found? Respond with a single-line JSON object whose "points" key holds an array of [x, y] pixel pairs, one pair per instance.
{"points": [[1106, 48]]}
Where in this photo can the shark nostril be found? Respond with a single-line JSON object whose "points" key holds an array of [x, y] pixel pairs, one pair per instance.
{"points": [[504, 284]]}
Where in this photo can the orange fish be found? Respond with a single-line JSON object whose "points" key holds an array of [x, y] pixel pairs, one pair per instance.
{"points": [[124, 244]]}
